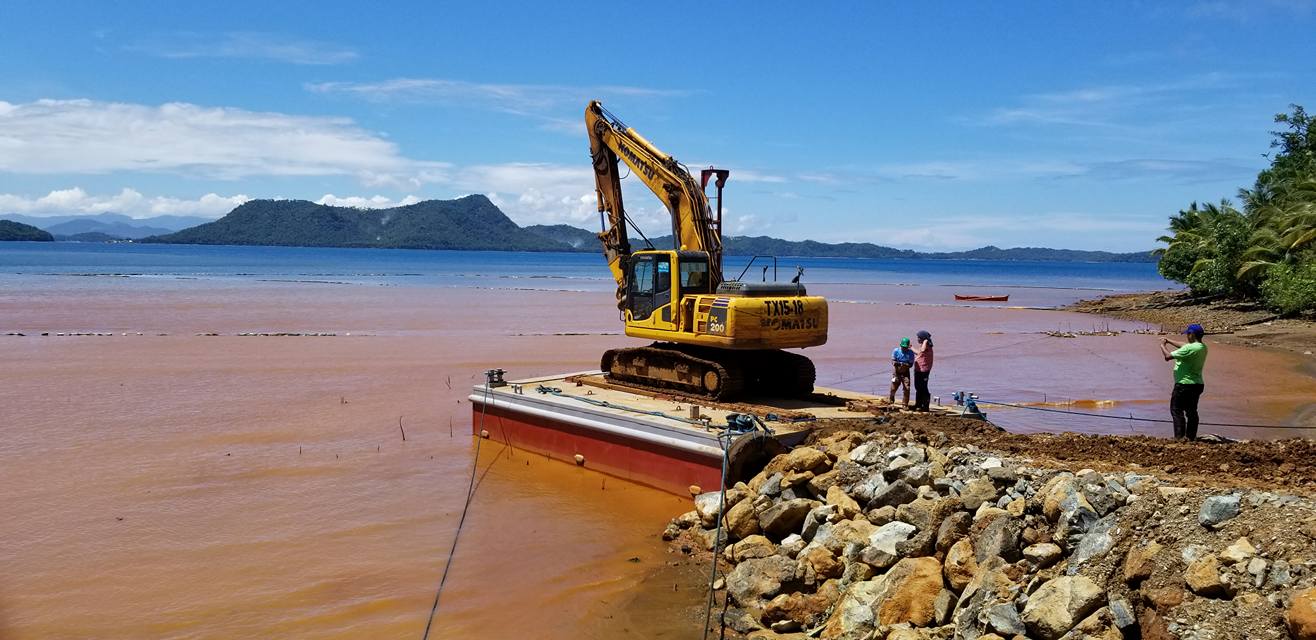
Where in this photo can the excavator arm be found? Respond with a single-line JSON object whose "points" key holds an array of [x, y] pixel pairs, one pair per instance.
{"points": [[693, 227]]}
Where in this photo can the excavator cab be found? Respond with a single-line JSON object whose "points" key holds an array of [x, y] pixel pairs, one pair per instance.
{"points": [[653, 290]]}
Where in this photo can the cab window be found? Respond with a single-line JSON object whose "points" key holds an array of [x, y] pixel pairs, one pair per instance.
{"points": [[694, 276], [642, 277]]}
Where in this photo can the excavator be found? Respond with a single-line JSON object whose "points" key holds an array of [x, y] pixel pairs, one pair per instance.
{"points": [[714, 337]]}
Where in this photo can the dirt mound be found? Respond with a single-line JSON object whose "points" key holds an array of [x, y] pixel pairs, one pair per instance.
{"points": [[1288, 464]]}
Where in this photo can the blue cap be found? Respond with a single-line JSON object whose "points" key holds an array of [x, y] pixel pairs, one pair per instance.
{"points": [[1195, 329]]}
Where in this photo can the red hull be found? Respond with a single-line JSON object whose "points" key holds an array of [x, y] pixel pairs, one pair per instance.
{"points": [[983, 298], [667, 468]]}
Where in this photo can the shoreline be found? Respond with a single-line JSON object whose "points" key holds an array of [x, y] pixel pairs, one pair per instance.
{"points": [[1226, 322]]}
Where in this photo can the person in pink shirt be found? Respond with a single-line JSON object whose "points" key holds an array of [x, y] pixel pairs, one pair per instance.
{"points": [[922, 369]]}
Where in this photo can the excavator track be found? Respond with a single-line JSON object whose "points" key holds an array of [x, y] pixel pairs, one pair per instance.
{"points": [[711, 373]]}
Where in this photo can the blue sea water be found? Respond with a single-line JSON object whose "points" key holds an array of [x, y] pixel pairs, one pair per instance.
{"points": [[919, 281]]}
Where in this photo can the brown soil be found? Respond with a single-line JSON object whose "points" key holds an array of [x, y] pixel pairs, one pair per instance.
{"points": [[1287, 465], [1227, 322]]}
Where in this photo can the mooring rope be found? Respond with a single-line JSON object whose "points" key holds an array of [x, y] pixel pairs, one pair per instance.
{"points": [[725, 440], [1135, 419], [470, 493]]}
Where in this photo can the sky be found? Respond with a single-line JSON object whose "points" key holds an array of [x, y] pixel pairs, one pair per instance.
{"points": [[914, 125]]}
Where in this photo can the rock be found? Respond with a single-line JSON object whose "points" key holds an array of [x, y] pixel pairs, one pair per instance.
{"points": [[754, 546], [837, 497], [1256, 567], [816, 564], [1004, 619], [785, 517], [1279, 575], [888, 535], [741, 520], [817, 517], [1217, 510], [845, 532], [1059, 604], [944, 607], [711, 538], [1241, 551], [796, 481], [877, 558], [999, 538], [897, 467], [894, 494], [1054, 492], [803, 459], [822, 483], [1042, 555], [1165, 598], [688, 519], [914, 453], [1003, 476], [1121, 613], [976, 492], [867, 488], [791, 545], [909, 591], [882, 515], [740, 620], [1203, 577], [1098, 626], [1301, 615], [803, 610], [853, 615], [917, 476], [759, 578], [867, 454], [671, 532], [771, 486], [961, 565], [1074, 517], [952, 529], [1096, 543], [1140, 561], [1016, 507], [708, 506]]}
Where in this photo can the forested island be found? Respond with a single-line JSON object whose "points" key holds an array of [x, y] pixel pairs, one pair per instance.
{"points": [[18, 231], [475, 223]]}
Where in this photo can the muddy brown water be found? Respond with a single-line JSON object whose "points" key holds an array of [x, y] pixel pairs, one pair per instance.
{"points": [[247, 487]]}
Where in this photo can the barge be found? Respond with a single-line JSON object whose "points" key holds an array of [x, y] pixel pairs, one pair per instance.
{"points": [[667, 441]]}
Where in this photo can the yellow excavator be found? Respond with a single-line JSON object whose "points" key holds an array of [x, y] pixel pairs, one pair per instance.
{"points": [[714, 337]]}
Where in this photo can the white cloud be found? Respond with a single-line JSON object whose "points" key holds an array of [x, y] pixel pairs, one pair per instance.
{"points": [[247, 44], [554, 106], [128, 202], [361, 202], [90, 137]]}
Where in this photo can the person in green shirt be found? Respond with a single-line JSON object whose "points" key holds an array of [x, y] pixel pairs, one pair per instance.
{"points": [[1189, 358]]}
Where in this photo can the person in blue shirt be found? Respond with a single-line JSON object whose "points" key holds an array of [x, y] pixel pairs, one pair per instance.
{"points": [[902, 358]]}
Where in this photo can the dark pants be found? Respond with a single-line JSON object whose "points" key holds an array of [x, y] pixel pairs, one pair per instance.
{"points": [[922, 397], [1183, 409]]}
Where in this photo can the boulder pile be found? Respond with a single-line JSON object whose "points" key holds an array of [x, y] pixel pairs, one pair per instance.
{"points": [[876, 535]]}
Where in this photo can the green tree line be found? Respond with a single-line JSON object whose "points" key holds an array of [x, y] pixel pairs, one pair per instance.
{"points": [[1265, 248]]}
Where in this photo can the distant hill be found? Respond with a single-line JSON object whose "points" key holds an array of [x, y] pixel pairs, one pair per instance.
{"points": [[90, 236], [113, 229], [573, 237], [114, 224], [472, 222], [763, 245], [10, 230]]}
